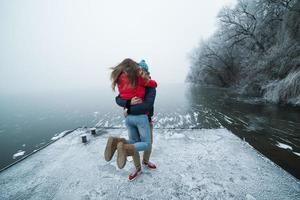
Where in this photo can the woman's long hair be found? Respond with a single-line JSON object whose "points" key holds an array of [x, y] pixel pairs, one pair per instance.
{"points": [[129, 67]]}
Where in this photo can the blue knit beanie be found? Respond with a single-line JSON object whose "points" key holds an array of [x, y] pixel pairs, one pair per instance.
{"points": [[144, 65]]}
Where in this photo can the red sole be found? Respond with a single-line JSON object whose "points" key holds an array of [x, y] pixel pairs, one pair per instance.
{"points": [[135, 177]]}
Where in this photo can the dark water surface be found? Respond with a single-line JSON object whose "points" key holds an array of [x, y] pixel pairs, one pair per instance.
{"points": [[29, 121]]}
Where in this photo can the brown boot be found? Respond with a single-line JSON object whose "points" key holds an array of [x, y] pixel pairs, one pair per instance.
{"points": [[124, 150], [111, 147]]}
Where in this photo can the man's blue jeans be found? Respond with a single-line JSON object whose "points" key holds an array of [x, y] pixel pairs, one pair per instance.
{"points": [[138, 131]]}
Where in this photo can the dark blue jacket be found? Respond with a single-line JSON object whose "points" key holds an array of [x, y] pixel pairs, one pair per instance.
{"points": [[139, 109]]}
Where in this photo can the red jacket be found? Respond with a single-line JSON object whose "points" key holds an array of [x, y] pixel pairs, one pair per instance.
{"points": [[127, 92]]}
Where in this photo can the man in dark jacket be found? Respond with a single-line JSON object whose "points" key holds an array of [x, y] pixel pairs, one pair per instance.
{"points": [[135, 106]]}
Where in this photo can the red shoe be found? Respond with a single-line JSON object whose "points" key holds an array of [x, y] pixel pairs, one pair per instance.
{"points": [[150, 165], [134, 174]]}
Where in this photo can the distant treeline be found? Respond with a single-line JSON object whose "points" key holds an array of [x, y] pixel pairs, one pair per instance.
{"points": [[256, 50]]}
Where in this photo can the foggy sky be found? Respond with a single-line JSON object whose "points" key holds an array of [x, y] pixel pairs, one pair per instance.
{"points": [[63, 44]]}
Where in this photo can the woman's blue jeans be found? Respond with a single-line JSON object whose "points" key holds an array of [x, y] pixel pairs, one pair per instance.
{"points": [[138, 131]]}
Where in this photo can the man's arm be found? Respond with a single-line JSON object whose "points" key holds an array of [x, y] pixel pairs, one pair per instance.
{"points": [[121, 102], [142, 108], [147, 105]]}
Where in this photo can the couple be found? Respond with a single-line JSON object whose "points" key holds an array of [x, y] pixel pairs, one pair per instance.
{"points": [[136, 95]]}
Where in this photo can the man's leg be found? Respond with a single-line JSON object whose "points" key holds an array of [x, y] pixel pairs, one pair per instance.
{"points": [[136, 160], [147, 153], [143, 126]]}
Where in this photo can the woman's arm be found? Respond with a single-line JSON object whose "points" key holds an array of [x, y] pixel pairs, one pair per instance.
{"points": [[151, 83], [146, 81]]}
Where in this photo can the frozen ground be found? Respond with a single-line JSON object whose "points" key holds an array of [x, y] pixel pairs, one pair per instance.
{"points": [[192, 164]]}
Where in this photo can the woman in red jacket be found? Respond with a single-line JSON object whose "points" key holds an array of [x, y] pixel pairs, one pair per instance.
{"points": [[134, 86]]}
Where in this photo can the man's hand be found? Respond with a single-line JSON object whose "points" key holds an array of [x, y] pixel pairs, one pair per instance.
{"points": [[125, 112], [136, 100]]}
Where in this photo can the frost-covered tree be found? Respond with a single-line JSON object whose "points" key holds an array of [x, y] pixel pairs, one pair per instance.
{"points": [[241, 24], [256, 47]]}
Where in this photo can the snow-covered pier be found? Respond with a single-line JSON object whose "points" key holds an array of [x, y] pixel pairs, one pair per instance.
{"points": [[192, 164]]}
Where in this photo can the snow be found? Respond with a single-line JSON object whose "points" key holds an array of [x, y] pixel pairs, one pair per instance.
{"points": [[250, 197], [106, 124], [169, 120], [18, 154], [296, 153], [284, 146], [287, 87], [192, 164], [228, 119], [60, 135]]}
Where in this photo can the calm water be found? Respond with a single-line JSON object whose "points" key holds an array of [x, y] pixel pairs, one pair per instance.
{"points": [[28, 122]]}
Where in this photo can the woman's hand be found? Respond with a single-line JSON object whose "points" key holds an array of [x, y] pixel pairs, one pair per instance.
{"points": [[136, 100]]}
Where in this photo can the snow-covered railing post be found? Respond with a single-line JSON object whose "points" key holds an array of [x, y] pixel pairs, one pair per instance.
{"points": [[84, 138], [93, 131]]}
